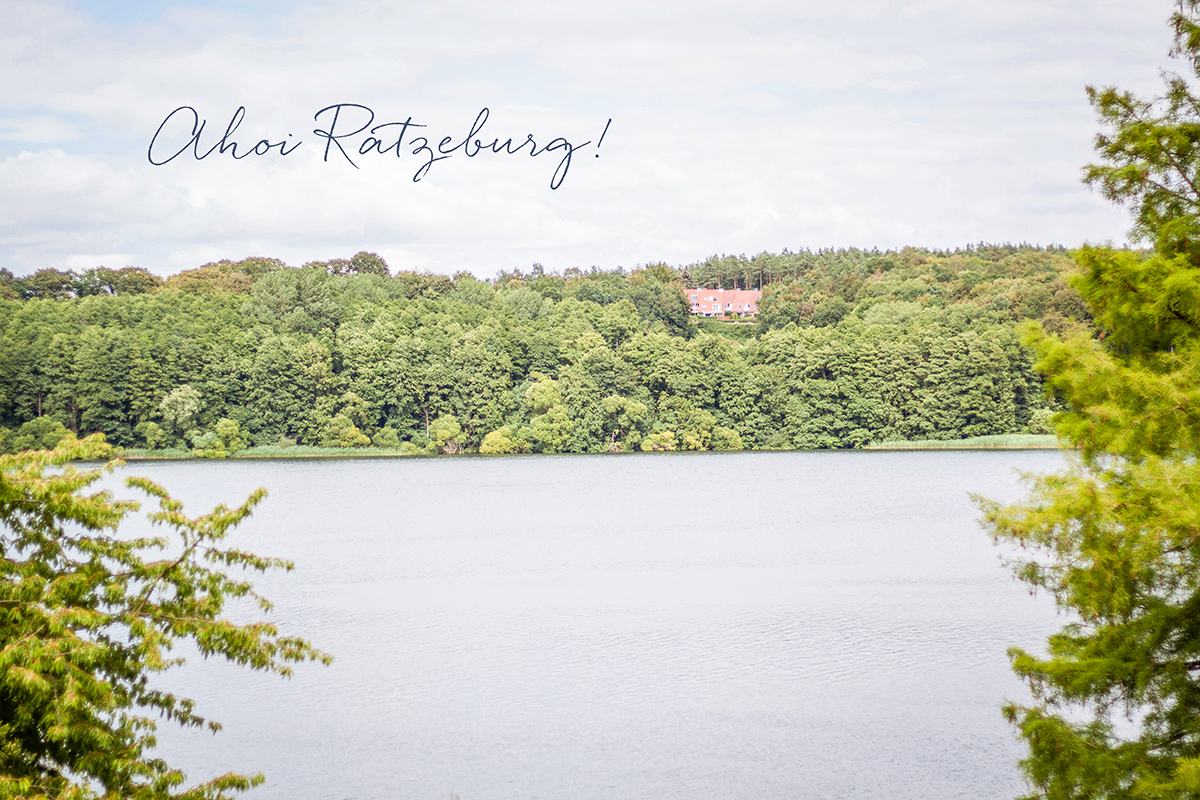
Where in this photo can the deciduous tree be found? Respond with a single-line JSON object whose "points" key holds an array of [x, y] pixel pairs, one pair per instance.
{"points": [[88, 619]]}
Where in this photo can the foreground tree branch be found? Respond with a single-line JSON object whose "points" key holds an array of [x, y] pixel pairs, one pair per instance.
{"points": [[87, 619]]}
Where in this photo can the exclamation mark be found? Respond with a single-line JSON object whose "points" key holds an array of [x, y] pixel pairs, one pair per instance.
{"points": [[602, 135]]}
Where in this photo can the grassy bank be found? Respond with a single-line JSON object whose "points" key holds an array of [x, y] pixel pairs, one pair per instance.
{"points": [[269, 451], [1013, 441], [1006, 441]]}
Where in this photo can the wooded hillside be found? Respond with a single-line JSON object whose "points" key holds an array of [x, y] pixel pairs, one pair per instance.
{"points": [[851, 347]]}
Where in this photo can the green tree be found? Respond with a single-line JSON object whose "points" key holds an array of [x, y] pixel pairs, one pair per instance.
{"points": [[623, 418], [42, 433], [340, 431], [726, 439], [102, 280], [482, 377], [694, 426], [87, 620], [502, 441], [296, 300], [152, 433], [551, 426], [49, 283], [1115, 537], [363, 263], [446, 435], [285, 381], [180, 408], [8, 285], [386, 439], [102, 367], [657, 441], [542, 394], [207, 444], [921, 348], [550, 432], [830, 311], [218, 278], [255, 267], [231, 435]]}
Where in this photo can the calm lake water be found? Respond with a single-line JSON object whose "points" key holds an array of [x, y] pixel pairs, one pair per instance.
{"points": [[758, 625]]}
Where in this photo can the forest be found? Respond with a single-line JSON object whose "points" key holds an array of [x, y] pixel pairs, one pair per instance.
{"points": [[851, 347]]}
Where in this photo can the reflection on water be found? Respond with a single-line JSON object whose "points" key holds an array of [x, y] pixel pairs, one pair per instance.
{"points": [[760, 625]]}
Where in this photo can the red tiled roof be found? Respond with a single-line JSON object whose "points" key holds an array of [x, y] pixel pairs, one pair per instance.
{"points": [[728, 301]]}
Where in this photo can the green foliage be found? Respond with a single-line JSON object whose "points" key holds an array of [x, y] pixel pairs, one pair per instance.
{"points": [[626, 420], [692, 426], [446, 435], [231, 435], [1042, 421], [87, 620], [127, 281], [504, 441], [550, 432], [180, 408], [340, 431], [219, 278], [362, 263], [224, 277], [659, 441], [726, 439], [1151, 148], [224, 440], [208, 444], [830, 311], [910, 344], [386, 439], [48, 283], [42, 433], [296, 301], [1114, 538], [152, 433], [9, 288]]}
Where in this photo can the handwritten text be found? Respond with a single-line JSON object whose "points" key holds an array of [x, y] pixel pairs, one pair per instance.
{"points": [[350, 133]]}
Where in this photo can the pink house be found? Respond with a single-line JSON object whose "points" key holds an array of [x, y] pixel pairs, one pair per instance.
{"points": [[723, 302]]}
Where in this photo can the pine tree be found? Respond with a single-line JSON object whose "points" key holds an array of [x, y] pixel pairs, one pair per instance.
{"points": [[1115, 538]]}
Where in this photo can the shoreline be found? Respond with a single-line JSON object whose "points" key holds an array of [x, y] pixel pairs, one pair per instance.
{"points": [[998, 442]]}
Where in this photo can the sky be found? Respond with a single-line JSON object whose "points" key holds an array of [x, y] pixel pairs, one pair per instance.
{"points": [[693, 128]]}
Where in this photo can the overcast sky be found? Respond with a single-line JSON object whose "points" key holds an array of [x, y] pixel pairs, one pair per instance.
{"points": [[736, 128]]}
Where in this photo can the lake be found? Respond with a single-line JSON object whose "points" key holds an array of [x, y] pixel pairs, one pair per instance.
{"points": [[738, 625]]}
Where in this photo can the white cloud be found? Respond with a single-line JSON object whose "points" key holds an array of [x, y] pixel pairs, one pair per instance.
{"points": [[735, 129], [37, 130], [85, 261]]}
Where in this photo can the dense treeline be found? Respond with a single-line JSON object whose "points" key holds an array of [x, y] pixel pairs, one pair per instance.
{"points": [[740, 272], [851, 347]]}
